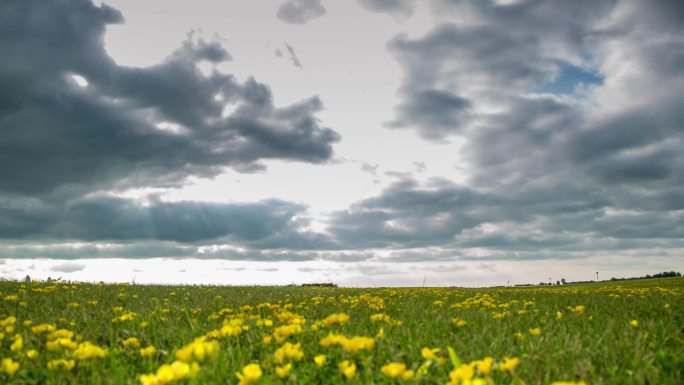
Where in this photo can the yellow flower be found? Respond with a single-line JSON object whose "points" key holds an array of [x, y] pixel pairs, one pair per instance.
{"points": [[355, 344], [170, 373], [430, 354], [459, 322], [535, 331], [131, 342], [484, 366], [87, 350], [32, 354], [8, 321], [634, 323], [149, 379], [197, 350], [397, 370], [336, 319], [61, 364], [579, 309], [288, 351], [559, 315], [43, 328], [129, 316], [348, 368], [283, 371], [509, 364], [148, 351], [61, 333], [331, 339], [379, 317], [17, 344], [320, 360], [61, 343], [250, 374], [283, 332], [267, 340], [9, 366]]}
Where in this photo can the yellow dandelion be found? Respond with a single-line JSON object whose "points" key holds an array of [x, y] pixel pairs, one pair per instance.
{"points": [[509, 364], [283, 371], [250, 374], [148, 351], [320, 360], [131, 342], [348, 368], [9, 366]]}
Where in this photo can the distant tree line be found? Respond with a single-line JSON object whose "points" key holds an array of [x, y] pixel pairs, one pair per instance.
{"points": [[562, 281], [664, 274]]}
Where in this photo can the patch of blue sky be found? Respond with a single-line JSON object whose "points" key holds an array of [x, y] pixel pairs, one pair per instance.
{"points": [[570, 80]]}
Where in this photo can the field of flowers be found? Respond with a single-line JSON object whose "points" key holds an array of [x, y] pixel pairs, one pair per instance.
{"points": [[608, 333]]}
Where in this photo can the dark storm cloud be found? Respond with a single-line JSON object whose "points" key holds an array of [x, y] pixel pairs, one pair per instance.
{"points": [[300, 11], [130, 126], [500, 54], [435, 111], [399, 9], [408, 215], [116, 219], [537, 221], [63, 141], [550, 175]]}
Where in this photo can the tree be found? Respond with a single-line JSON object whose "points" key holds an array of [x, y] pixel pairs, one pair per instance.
{"points": [[563, 281]]}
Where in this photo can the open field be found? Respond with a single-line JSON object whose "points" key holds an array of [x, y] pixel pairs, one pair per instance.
{"points": [[608, 333]]}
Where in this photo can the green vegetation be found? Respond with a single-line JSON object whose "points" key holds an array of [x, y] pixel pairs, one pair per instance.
{"points": [[626, 332]]}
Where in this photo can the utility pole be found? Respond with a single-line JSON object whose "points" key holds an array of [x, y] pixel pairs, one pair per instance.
{"points": [[597, 276]]}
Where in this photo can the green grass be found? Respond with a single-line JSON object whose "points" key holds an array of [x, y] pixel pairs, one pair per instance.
{"points": [[598, 345]]}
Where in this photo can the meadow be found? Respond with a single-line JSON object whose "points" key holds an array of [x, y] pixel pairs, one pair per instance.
{"points": [[630, 332]]}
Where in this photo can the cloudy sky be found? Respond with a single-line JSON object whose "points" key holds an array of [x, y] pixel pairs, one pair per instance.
{"points": [[361, 142]]}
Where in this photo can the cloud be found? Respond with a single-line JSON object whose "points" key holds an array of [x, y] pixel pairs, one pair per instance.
{"points": [[300, 11], [118, 219], [551, 174], [445, 221], [460, 71], [293, 56], [131, 126], [399, 9], [435, 111], [67, 267], [76, 123]]}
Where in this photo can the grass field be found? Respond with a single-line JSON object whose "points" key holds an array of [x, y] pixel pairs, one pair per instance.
{"points": [[629, 332]]}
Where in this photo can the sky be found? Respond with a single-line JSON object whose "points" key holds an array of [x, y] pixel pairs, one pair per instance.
{"points": [[360, 142]]}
